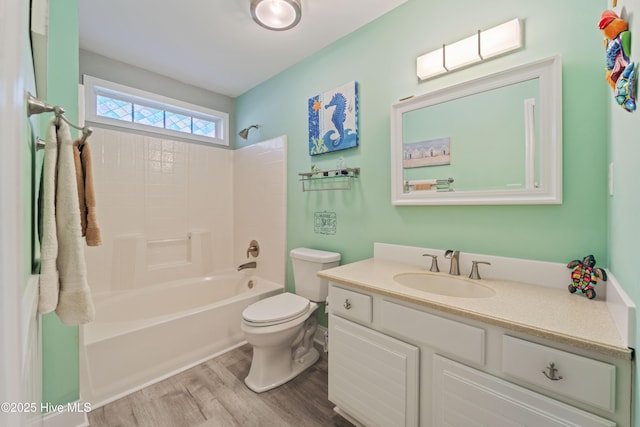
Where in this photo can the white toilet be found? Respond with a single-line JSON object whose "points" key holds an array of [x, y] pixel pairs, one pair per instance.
{"points": [[281, 327]]}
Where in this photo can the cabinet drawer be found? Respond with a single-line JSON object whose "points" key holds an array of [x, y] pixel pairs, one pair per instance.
{"points": [[583, 379], [350, 304], [463, 396], [451, 337]]}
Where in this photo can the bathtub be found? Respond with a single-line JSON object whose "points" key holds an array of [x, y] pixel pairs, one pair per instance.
{"points": [[140, 337]]}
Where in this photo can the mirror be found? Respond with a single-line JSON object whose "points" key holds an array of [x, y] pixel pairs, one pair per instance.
{"points": [[492, 140]]}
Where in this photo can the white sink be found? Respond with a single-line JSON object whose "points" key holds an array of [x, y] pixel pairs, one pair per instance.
{"points": [[451, 286]]}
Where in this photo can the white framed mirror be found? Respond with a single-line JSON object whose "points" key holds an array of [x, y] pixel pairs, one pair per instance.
{"points": [[495, 140]]}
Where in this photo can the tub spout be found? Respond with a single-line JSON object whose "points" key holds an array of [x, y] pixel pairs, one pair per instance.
{"points": [[251, 264]]}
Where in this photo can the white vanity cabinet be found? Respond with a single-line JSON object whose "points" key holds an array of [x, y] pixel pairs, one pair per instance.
{"points": [[386, 353], [373, 377], [463, 396]]}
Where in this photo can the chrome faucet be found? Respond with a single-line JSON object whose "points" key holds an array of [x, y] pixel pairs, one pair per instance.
{"points": [[251, 264], [454, 256]]}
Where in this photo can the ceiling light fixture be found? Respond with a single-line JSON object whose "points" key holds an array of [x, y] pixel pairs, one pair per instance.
{"points": [[479, 47], [277, 15]]}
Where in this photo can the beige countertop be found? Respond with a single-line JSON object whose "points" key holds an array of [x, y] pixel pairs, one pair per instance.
{"points": [[544, 312]]}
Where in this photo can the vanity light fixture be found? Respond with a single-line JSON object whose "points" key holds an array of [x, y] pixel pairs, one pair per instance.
{"points": [[277, 15], [244, 133], [481, 46]]}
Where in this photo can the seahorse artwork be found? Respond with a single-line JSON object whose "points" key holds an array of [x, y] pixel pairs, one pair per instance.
{"points": [[621, 72], [333, 120], [338, 118]]}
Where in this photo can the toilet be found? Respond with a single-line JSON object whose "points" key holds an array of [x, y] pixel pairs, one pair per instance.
{"points": [[281, 328]]}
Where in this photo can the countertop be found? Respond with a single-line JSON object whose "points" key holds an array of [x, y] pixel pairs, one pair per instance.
{"points": [[544, 312]]}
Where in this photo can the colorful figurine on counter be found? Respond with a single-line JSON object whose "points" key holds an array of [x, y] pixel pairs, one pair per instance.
{"points": [[585, 276], [621, 73]]}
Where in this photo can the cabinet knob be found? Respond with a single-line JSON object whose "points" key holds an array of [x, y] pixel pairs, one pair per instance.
{"points": [[347, 304], [551, 371]]}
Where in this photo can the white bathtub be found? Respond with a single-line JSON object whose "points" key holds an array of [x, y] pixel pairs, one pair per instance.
{"points": [[142, 336]]}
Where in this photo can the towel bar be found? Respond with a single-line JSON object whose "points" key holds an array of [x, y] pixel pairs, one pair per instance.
{"points": [[36, 106]]}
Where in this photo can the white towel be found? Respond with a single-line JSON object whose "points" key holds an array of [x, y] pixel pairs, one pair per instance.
{"points": [[49, 280], [75, 306]]}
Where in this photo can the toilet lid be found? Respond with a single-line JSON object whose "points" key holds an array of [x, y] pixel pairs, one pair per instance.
{"points": [[276, 308]]}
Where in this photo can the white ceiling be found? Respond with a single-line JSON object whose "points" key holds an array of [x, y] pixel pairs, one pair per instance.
{"points": [[214, 44]]}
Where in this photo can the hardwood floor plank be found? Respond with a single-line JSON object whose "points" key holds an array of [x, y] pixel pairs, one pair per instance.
{"points": [[247, 409], [213, 394]]}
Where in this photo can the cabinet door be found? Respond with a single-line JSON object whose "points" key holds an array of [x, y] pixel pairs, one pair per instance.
{"points": [[466, 397], [372, 377]]}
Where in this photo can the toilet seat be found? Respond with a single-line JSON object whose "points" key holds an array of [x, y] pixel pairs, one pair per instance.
{"points": [[276, 309]]}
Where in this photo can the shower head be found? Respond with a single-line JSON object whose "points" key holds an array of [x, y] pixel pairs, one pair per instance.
{"points": [[244, 133]]}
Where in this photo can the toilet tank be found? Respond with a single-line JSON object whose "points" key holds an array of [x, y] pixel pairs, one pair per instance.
{"points": [[306, 263]]}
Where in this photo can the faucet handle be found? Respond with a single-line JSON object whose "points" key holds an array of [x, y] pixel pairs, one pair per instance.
{"points": [[434, 263], [475, 275], [253, 249]]}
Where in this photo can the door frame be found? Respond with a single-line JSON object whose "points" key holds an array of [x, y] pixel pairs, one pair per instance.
{"points": [[13, 28]]}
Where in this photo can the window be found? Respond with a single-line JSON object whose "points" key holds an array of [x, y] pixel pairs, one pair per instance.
{"points": [[122, 106]]}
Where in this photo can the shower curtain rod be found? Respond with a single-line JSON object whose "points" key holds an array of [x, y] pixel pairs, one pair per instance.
{"points": [[36, 106]]}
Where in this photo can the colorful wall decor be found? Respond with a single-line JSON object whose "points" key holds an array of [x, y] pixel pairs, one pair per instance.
{"points": [[333, 120], [621, 72]]}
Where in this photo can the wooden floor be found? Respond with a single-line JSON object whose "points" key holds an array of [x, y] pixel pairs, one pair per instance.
{"points": [[214, 394]]}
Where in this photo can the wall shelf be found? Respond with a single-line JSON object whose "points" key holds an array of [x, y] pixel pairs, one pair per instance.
{"points": [[335, 179]]}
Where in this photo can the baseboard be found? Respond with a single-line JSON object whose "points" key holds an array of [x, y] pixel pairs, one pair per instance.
{"points": [[72, 414]]}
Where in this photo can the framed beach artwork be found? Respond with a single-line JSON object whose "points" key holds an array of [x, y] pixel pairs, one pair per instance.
{"points": [[333, 120], [434, 152]]}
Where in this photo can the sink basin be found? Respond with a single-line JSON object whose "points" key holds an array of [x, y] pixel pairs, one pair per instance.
{"points": [[450, 286]]}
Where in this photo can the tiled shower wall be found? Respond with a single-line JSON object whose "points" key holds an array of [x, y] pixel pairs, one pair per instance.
{"points": [[260, 205], [156, 192]]}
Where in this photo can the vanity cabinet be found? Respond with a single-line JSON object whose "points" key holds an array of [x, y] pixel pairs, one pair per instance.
{"points": [[423, 366], [463, 396], [373, 377]]}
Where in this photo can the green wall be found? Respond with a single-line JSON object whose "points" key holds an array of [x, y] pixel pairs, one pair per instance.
{"points": [[61, 375], [624, 205], [381, 57]]}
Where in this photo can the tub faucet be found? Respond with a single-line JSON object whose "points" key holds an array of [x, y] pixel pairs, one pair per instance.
{"points": [[454, 256], [251, 264], [253, 249]]}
